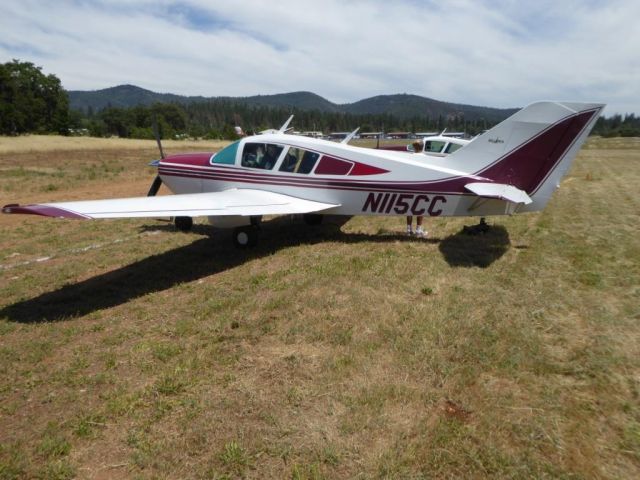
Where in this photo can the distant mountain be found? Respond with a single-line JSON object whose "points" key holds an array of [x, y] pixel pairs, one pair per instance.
{"points": [[300, 100], [123, 96], [406, 106], [402, 106]]}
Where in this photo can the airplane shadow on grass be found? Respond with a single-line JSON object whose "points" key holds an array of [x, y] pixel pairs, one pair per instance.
{"points": [[481, 250], [214, 254]]}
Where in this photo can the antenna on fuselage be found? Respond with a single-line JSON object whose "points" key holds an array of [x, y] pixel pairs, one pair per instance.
{"points": [[283, 128], [350, 136]]}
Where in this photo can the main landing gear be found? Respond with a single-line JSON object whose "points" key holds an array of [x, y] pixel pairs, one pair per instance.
{"points": [[245, 236], [312, 218], [183, 224], [480, 228]]}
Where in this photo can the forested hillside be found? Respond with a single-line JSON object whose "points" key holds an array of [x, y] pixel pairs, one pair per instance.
{"points": [[31, 101]]}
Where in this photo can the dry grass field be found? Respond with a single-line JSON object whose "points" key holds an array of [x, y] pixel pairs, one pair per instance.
{"points": [[346, 350]]}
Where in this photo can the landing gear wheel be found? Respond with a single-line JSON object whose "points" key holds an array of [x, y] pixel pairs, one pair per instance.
{"points": [[246, 236], [312, 218], [184, 224], [479, 229]]}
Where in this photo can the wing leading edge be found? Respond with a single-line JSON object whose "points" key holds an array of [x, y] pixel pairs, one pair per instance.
{"points": [[243, 202]]}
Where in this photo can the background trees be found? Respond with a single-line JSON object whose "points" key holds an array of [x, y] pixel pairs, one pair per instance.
{"points": [[31, 101]]}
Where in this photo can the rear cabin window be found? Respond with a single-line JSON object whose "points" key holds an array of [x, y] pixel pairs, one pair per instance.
{"points": [[261, 155], [298, 160], [226, 156], [433, 146], [333, 166], [452, 147]]}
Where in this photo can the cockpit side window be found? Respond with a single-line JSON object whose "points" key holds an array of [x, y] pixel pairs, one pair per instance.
{"points": [[433, 146], [261, 155], [298, 160]]}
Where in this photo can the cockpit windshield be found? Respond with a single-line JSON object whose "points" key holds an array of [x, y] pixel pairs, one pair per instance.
{"points": [[226, 156]]}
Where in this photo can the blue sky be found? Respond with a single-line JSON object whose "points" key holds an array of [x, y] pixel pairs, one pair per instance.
{"points": [[503, 53]]}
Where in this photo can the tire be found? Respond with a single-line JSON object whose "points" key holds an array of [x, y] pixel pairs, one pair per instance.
{"points": [[245, 237], [312, 218], [184, 224]]}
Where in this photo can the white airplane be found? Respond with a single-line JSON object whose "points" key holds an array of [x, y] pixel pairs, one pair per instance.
{"points": [[514, 167], [434, 145]]}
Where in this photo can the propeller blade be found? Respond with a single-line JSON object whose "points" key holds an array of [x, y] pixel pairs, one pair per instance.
{"points": [[157, 182], [156, 133], [155, 186]]}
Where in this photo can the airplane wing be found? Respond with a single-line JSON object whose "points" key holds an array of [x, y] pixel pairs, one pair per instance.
{"points": [[243, 202], [499, 190]]}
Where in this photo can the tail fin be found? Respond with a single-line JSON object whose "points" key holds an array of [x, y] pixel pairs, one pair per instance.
{"points": [[532, 149]]}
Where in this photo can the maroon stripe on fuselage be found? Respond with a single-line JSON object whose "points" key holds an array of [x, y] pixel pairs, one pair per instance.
{"points": [[235, 174], [323, 184]]}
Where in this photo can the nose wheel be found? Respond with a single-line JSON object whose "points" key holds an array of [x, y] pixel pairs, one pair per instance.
{"points": [[245, 236]]}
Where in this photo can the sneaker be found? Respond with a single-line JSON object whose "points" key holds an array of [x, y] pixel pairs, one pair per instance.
{"points": [[409, 231], [420, 232]]}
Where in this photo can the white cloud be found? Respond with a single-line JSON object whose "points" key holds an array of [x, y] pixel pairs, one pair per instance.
{"points": [[501, 53]]}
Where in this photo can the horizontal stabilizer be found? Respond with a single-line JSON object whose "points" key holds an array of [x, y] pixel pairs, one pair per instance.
{"points": [[243, 202], [499, 190]]}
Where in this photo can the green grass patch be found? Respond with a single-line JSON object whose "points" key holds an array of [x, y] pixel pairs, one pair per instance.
{"points": [[346, 350]]}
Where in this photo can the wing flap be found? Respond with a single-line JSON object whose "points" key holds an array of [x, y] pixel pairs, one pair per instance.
{"points": [[243, 202], [499, 190]]}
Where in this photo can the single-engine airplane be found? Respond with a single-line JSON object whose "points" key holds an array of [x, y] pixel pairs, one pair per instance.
{"points": [[514, 167], [434, 145]]}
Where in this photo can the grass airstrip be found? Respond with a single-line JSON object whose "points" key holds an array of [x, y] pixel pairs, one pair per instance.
{"points": [[345, 350]]}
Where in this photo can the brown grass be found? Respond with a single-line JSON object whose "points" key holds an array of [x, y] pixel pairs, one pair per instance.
{"points": [[130, 350], [49, 143]]}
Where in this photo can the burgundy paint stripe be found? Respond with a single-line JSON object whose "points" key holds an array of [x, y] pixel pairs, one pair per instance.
{"points": [[527, 166], [456, 183], [378, 188], [365, 169], [44, 210], [575, 139]]}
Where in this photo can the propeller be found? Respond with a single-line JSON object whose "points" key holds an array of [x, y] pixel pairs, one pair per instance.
{"points": [[157, 182]]}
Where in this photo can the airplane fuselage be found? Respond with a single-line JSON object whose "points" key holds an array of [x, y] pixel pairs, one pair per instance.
{"points": [[362, 181]]}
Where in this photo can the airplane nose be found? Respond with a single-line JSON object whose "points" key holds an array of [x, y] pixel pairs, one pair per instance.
{"points": [[188, 159]]}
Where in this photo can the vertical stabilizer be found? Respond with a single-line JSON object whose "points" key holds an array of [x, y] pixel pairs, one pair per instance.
{"points": [[531, 150]]}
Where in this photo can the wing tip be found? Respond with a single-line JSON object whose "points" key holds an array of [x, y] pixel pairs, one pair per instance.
{"points": [[43, 210]]}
